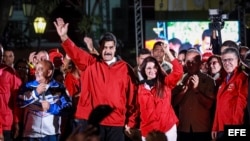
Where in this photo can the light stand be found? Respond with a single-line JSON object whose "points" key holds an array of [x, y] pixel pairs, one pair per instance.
{"points": [[216, 24]]}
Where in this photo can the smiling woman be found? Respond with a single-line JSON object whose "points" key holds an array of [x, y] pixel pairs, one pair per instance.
{"points": [[154, 96]]}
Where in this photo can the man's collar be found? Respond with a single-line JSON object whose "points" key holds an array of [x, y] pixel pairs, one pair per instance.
{"points": [[111, 61]]}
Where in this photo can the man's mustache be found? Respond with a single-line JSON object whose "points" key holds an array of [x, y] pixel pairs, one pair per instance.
{"points": [[107, 53]]}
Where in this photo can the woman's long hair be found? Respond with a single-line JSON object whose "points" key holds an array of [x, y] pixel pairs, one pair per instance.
{"points": [[160, 75]]}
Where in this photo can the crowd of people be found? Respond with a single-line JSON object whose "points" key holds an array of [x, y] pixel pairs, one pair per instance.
{"points": [[174, 93]]}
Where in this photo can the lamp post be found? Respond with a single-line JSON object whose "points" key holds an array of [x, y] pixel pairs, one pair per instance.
{"points": [[39, 26]]}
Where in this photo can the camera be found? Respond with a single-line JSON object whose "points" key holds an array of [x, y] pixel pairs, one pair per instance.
{"points": [[217, 19]]}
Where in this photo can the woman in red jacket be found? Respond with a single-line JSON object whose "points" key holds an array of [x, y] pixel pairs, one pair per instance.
{"points": [[232, 94], [154, 97]]}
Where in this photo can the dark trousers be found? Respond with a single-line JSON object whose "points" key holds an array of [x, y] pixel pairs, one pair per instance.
{"points": [[7, 135], [19, 137], [194, 136], [46, 138], [67, 126], [107, 133], [220, 136], [112, 133], [82, 124]]}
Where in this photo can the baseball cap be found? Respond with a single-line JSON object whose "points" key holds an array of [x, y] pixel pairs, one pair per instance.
{"points": [[55, 57], [206, 55]]}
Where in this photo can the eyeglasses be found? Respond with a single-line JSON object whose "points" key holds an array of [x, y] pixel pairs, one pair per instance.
{"points": [[230, 60], [213, 63]]}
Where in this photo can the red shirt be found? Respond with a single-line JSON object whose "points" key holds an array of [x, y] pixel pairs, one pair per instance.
{"points": [[72, 84], [9, 85], [231, 101], [158, 113], [104, 84]]}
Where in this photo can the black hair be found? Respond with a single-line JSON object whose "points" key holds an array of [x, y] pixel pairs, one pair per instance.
{"points": [[183, 52], [8, 49], [159, 43], [206, 33], [243, 47], [175, 41], [107, 37], [230, 43], [22, 60], [144, 51], [216, 57], [71, 66], [172, 52], [159, 80], [156, 135]]}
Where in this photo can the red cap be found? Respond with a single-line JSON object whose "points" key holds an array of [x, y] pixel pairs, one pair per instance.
{"points": [[55, 57], [206, 55]]}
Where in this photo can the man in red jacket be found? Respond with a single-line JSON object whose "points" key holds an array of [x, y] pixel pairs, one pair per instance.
{"points": [[105, 80], [231, 99], [8, 92]]}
